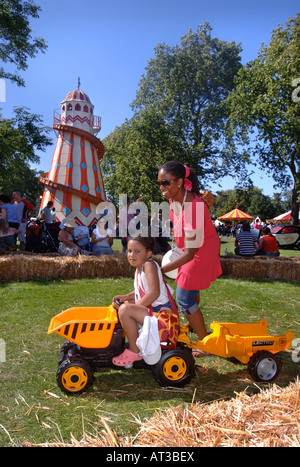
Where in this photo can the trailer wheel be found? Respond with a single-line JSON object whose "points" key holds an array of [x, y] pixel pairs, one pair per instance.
{"points": [[175, 368], [74, 376], [264, 366]]}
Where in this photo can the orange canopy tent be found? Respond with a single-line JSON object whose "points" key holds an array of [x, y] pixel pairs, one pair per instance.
{"points": [[236, 215]]}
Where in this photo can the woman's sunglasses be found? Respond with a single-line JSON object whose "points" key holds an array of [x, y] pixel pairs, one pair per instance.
{"points": [[165, 183]]}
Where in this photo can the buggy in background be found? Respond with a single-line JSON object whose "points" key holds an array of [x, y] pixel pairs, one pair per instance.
{"points": [[42, 237]]}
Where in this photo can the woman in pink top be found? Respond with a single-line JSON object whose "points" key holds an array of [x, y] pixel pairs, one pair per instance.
{"points": [[195, 236]]}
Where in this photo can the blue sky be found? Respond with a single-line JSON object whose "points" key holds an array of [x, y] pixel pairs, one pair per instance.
{"points": [[108, 44]]}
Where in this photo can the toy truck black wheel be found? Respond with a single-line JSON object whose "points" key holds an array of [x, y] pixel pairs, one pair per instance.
{"points": [[64, 351], [74, 376], [264, 366], [175, 368]]}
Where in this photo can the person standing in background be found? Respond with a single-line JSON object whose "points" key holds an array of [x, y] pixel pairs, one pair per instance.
{"points": [[24, 211], [9, 211]]}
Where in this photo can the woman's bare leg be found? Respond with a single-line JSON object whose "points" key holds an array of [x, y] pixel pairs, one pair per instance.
{"points": [[196, 320]]}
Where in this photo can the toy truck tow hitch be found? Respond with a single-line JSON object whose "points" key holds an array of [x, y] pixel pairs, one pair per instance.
{"points": [[94, 336]]}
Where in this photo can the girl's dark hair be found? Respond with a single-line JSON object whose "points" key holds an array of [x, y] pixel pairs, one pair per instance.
{"points": [[267, 231], [177, 169], [148, 242]]}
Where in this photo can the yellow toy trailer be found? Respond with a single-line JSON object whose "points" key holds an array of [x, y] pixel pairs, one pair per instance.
{"points": [[94, 336], [248, 343]]}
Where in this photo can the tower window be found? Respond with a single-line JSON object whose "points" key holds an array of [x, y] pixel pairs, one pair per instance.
{"points": [[77, 107]]}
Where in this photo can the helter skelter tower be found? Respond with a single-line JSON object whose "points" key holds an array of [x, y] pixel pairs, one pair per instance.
{"points": [[74, 182]]}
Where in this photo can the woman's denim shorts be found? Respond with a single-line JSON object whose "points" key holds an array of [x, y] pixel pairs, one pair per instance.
{"points": [[186, 300]]}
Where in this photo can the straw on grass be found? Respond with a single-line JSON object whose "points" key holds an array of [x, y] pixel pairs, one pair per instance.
{"points": [[268, 419]]}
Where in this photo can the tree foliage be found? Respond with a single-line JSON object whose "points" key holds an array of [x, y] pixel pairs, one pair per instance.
{"points": [[265, 108], [24, 134], [16, 41], [187, 85], [133, 154], [252, 201], [20, 138], [179, 114]]}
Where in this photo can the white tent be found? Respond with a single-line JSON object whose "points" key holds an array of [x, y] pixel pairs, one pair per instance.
{"points": [[284, 218]]}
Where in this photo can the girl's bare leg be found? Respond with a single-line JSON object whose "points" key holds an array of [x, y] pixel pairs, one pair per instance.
{"points": [[130, 316]]}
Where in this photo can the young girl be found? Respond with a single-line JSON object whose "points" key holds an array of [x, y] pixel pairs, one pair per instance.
{"points": [[149, 290]]}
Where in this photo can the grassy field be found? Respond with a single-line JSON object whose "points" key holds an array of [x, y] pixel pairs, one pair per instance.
{"points": [[33, 408], [225, 243]]}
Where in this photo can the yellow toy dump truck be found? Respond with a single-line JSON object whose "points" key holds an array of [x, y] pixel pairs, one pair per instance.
{"points": [[94, 336]]}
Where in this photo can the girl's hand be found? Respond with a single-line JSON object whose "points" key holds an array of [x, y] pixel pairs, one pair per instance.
{"points": [[118, 300]]}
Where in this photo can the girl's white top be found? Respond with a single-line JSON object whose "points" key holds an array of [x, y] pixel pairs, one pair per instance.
{"points": [[140, 280]]}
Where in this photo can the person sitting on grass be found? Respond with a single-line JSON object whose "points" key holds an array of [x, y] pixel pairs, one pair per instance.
{"points": [[246, 244], [268, 244], [149, 289]]}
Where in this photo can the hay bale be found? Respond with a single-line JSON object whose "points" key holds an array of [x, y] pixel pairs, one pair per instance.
{"points": [[20, 266], [227, 265], [250, 268], [285, 270], [261, 267], [40, 268]]}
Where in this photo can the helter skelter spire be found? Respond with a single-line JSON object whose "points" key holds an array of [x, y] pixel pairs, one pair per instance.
{"points": [[74, 182]]}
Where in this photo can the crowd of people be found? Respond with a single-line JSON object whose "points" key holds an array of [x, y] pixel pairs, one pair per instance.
{"points": [[249, 243], [251, 239], [19, 230], [230, 230], [70, 240]]}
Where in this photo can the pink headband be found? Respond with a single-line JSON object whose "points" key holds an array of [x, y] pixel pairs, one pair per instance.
{"points": [[187, 183]]}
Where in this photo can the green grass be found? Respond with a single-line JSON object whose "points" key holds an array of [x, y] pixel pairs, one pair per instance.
{"points": [[225, 243], [32, 407]]}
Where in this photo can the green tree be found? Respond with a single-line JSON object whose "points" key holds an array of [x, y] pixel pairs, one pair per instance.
{"points": [[265, 108], [25, 133], [133, 154], [16, 42], [250, 200], [187, 85], [20, 138]]}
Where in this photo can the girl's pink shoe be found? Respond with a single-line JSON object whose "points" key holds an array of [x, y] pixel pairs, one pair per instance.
{"points": [[126, 358]]}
